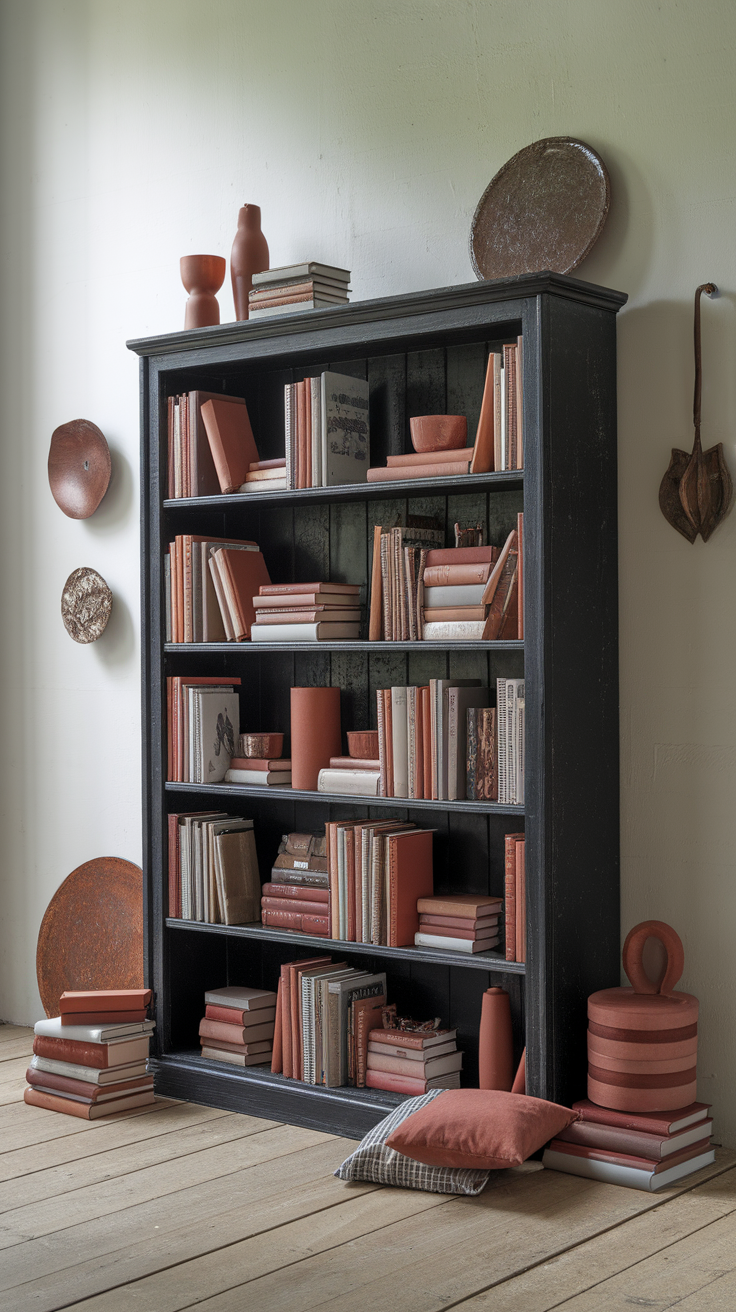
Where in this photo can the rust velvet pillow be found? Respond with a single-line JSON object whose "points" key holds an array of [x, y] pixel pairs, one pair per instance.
{"points": [[479, 1129]]}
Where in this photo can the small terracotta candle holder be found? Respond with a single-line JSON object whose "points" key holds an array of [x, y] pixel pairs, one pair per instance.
{"points": [[438, 432], [203, 276]]}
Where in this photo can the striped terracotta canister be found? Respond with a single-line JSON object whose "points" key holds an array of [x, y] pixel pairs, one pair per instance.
{"points": [[643, 1040]]}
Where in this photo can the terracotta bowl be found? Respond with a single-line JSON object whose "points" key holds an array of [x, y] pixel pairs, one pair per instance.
{"points": [[262, 746], [438, 432], [363, 745]]}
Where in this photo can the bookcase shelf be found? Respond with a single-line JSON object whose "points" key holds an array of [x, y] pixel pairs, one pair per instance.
{"points": [[421, 354]]}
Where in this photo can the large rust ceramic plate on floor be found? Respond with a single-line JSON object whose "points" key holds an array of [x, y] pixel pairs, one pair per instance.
{"points": [[545, 209], [91, 936]]}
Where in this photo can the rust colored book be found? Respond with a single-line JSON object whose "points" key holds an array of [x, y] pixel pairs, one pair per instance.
{"points": [[102, 1017], [461, 556], [624, 1159], [101, 1056], [320, 614], [465, 905], [408, 878], [84, 1089], [417, 1039], [259, 764], [520, 899], [502, 619], [302, 906], [442, 931], [231, 441], [353, 763], [441, 469], [249, 1049], [286, 589], [663, 1123], [233, 1015], [654, 1147], [296, 892], [510, 894], [443, 576], [484, 447], [226, 1033], [242, 573], [402, 1084], [104, 1000], [416, 459], [88, 1111], [460, 922], [304, 924]]}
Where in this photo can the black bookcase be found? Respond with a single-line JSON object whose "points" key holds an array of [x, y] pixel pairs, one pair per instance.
{"points": [[423, 353]]}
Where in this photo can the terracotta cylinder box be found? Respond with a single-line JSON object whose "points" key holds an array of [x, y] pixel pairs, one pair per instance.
{"points": [[643, 1040]]}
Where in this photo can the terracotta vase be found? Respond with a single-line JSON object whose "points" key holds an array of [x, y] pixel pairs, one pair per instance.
{"points": [[203, 276], [249, 255], [519, 1084], [495, 1042]]}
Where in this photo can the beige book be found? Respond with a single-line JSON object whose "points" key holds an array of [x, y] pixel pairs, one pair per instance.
{"points": [[238, 881]]}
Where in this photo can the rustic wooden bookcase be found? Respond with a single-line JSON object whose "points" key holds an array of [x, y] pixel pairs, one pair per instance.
{"points": [[422, 353]]}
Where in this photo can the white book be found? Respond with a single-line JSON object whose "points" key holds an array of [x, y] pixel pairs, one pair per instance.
{"points": [[300, 273], [520, 743], [441, 696], [237, 1058], [260, 778], [344, 429], [504, 421], [399, 742], [91, 1074], [266, 485], [296, 307], [503, 788], [52, 1028], [453, 630], [411, 1055], [322, 631], [628, 1176], [456, 944], [315, 396], [510, 739], [238, 996], [289, 433], [342, 885], [361, 783], [460, 594]]}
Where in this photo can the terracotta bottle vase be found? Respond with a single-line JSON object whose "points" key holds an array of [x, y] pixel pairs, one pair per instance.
{"points": [[643, 1040], [249, 255], [519, 1084], [495, 1042], [203, 276]]}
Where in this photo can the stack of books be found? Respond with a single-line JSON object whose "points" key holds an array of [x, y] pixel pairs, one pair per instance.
{"points": [[266, 476], [499, 439], [306, 612], [326, 431], [459, 923], [203, 724], [90, 1061], [210, 444], [238, 1026], [473, 599], [515, 897], [209, 586], [645, 1150], [259, 772], [296, 287], [326, 1010], [377, 871], [297, 896], [213, 869], [412, 1059], [349, 774]]}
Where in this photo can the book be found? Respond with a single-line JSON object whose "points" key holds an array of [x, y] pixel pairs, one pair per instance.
{"points": [[259, 764], [415, 459], [409, 877], [308, 269], [412, 1088], [417, 1039], [296, 893], [241, 575], [240, 998], [319, 614], [89, 1111], [313, 592], [510, 701], [98, 1055], [318, 632], [412, 1056], [305, 906], [392, 596], [106, 1000], [460, 922], [482, 754], [344, 429], [102, 1017], [456, 575], [237, 1058], [454, 631], [316, 303], [459, 702], [423, 1069], [259, 778], [439, 469], [236, 876], [363, 783], [454, 595], [308, 297], [468, 906], [450, 944], [484, 447], [662, 1123], [510, 894], [85, 1090], [654, 1147], [191, 472], [631, 1172], [461, 555], [254, 1033], [52, 1028], [231, 441], [304, 924], [353, 763], [447, 931]]}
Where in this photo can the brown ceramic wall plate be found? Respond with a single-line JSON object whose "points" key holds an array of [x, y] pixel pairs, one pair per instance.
{"points": [[91, 936], [79, 468], [545, 209], [86, 603]]}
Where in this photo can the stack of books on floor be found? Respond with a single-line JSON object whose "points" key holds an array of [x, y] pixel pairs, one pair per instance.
{"points": [[474, 600], [459, 923], [515, 897], [238, 1026], [265, 476], [377, 871], [203, 724], [326, 431], [90, 1061], [209, 587], [499, 440], [296, 287], [274, 772], [297, 896], [645, 1150], [412, 1059], [213, 869], [306, 612], [210, 444], [324, 1013]]}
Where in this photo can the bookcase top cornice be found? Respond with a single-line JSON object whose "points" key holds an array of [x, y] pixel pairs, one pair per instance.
{"points": [[463, 296]]}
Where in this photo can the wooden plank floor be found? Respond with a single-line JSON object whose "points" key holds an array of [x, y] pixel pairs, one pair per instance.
{"points": [[180, 1206]]}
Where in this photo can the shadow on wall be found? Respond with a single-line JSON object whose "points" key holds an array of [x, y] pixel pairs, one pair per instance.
{"points": [[117, 502], [627, 240], [116, 646]]}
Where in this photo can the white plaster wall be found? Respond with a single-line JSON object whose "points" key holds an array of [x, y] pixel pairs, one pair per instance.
{"points": [[131, 133]]}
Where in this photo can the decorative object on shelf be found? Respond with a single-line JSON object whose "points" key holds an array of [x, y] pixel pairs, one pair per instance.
{"points": [[438, 432], [249, 255], [91, 936], [296, 287], [79, 467], [495, 1042], [363, 744], [203, 276], [315, 733], [262, 746], [643, 1040], [469, 535], [86, 603], [544, 209], [696, 491]]}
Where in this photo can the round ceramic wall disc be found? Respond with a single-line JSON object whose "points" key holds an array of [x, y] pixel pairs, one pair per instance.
{"points": [[79, 468], [91, 936], [545, 209], [86, 603]]}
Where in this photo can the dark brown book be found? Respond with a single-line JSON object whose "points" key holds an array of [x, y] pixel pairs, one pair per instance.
{"points": [[104, 1000], [502, 612], [510, 894], [305, 924], [295, 893], [482, 772], [231, 442], [102, 1017]]}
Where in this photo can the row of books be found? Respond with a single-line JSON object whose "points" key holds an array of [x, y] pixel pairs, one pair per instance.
{"points": [[212, 868], [644, 1150], [306, 612], [327, 431], [238, 1026], [211, 447], [296, 287], [209, 585], [91, 1060], [515, 897], [423, 591], [377, 872], [499, 438], [203, 723], [325, 1010]]}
